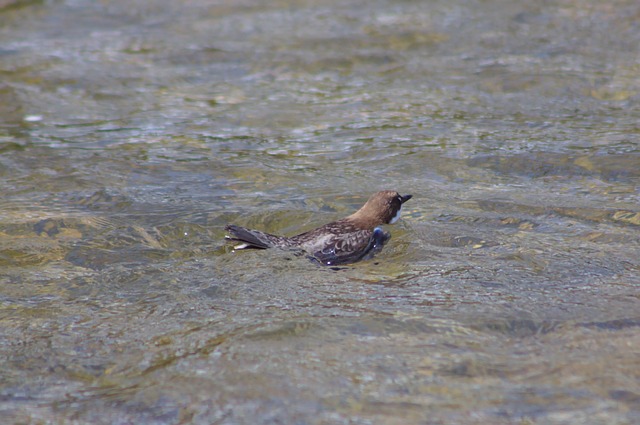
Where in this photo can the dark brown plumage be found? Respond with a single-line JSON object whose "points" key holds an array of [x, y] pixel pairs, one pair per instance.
{"points": [[348, 240]]}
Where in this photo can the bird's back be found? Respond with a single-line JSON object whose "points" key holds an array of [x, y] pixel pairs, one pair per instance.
{"points": [[339, 242]]}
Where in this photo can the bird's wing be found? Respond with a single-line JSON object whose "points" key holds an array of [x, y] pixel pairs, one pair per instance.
{"points": [[350, 247]]}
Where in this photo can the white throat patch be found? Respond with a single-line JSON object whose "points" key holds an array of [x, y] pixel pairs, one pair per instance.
{"points": [[397, 216]]}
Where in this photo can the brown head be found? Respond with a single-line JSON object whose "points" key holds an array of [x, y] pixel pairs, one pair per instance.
{"points": [[382, 208]]}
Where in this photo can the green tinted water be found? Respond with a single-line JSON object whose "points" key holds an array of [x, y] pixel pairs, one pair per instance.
{"points": [[131, 133]]}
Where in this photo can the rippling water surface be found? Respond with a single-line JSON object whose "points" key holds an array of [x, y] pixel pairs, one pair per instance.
{"points": [[131, 132]]}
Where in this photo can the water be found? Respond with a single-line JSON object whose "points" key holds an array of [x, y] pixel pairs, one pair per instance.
{"points": [[131, 133]]}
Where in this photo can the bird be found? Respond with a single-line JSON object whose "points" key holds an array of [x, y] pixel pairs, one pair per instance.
{"points": [[348, 240]]}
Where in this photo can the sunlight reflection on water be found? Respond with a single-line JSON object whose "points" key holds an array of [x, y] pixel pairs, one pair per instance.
{"points": [[509, 288]]}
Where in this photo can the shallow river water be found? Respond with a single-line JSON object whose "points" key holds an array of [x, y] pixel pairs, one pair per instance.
{"points": [[131, 132]]}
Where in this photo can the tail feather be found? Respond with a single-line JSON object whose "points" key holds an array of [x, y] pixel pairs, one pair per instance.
{"points": [[252, 238]]}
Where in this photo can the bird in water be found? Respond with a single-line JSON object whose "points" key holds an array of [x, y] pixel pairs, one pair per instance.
{"points": [[353, 238]]}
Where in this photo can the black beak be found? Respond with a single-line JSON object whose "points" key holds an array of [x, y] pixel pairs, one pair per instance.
{"points": [[405, 198]]}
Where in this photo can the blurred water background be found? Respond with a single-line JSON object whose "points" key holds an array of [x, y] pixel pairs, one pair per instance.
{"points": [[132, 131]]}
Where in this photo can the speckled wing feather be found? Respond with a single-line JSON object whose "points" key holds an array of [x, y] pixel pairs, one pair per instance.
{"points": [[341, 242]]}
